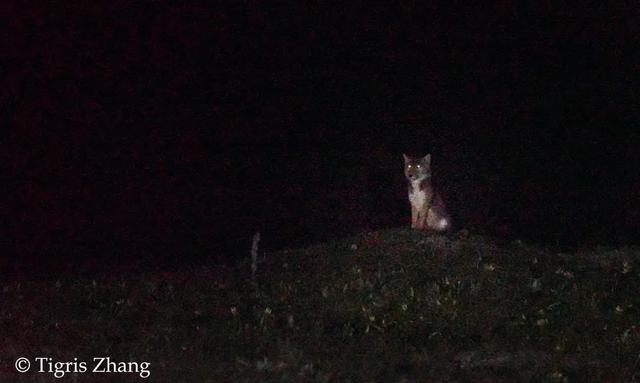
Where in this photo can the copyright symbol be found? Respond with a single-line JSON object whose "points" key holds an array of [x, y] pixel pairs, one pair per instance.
{"points": [[23, 364]]}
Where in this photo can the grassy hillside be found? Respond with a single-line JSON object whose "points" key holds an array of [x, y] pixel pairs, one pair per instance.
{"points": [[388, 306]]}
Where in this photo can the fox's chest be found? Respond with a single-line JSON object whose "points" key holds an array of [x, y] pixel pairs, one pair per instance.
{"points": [[417, 197]]}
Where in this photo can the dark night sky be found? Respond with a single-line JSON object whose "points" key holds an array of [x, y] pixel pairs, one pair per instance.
{"points": [[148, 129]]}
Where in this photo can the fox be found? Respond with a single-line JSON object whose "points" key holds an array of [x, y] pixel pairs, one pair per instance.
{"points": [[428, 210]]}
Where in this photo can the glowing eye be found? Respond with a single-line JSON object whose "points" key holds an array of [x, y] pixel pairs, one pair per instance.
{"points": [[409, 166], [418, 166]]}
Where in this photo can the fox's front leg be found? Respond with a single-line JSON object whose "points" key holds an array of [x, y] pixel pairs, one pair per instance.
{"points": [[421, 220], [423, 215], [414, 217]]}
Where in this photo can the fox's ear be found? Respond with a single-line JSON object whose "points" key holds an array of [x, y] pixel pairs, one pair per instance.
{"points": [[406, 158], [427, 158]]}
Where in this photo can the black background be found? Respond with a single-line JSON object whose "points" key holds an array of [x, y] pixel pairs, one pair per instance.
{"points": [[143, 129]]}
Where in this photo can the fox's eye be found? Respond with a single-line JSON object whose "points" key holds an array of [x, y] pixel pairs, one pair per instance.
{"points": [[418, 166], [409, 166]]}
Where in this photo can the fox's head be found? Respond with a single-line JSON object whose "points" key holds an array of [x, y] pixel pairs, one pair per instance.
{"points": [[417, 169]]}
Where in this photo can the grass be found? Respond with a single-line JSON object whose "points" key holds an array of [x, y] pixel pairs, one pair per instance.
{"points": [[388, 306]]}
